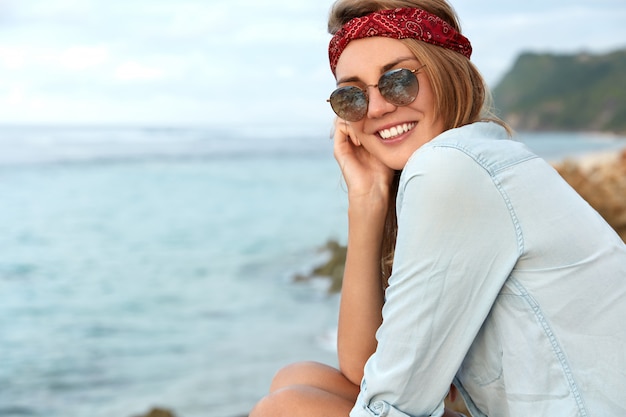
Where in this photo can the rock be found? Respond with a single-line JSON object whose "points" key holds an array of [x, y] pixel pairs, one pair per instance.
{"points": [[601, 180], [332, 269], [158, 412]]}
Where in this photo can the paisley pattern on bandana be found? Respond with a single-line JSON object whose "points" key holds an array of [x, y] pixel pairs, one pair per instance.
{"points": [[399, 23]]}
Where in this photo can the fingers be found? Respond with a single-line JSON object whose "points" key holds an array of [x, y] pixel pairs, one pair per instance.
{"points": [[344, 132], [341, 143]]}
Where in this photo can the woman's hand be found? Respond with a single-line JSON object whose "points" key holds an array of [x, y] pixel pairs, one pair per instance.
{"points": [[365, 175]]}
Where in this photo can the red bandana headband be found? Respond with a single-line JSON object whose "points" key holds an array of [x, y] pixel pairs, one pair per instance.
{"points": [[399, 24]]}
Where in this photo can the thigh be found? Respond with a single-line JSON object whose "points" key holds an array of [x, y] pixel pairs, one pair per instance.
{"points": [[318, 376]]}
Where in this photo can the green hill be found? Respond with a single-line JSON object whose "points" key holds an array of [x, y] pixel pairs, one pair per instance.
{"points": [[580, 92]]}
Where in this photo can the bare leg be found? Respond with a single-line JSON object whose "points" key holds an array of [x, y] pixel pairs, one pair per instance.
{"points": [[316, 375], [308, 389]]}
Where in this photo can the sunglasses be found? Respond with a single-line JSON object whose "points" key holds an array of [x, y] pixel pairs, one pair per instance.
{"points": [[399, 87]]}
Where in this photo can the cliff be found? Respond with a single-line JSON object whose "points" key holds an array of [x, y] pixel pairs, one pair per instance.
{"points": [[581, 92]]}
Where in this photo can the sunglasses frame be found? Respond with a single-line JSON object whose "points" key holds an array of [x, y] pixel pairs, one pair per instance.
{"points": [[365, 94]]}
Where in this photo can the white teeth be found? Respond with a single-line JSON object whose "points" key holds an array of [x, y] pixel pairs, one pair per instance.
{"points": [[396, 131]]}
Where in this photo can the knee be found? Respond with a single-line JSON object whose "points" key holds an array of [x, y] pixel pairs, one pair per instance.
{"points": [[283, 390], [299, 373], [262, 408], [275, 404]]}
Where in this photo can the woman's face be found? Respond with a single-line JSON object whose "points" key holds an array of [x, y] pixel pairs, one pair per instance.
{"points": [[389, 133]]}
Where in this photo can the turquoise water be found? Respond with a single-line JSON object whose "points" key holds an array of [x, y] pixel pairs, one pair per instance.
{"points": [[143, 268]]}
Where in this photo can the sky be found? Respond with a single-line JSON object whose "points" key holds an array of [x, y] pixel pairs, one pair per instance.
{"points": [[234, 62]]}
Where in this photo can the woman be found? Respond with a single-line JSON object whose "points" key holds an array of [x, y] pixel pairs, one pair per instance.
{"points": [[505, 283]]}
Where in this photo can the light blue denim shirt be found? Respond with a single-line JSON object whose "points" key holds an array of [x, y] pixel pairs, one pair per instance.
{"points": [[506, 281]]}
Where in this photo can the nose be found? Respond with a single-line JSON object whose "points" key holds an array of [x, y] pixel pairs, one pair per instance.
{"points": [[378, 106]]}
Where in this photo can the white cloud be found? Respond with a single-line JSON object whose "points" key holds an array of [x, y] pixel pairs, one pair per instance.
{"points": [[286, 72], [15, 95], [12, 58], [135, 71], [79, 58], [18, 100]]}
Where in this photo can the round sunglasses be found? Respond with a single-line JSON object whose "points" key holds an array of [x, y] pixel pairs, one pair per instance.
{"points": [[399, 87]]}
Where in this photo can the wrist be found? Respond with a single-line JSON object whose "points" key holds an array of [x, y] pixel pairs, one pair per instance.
{"points": [[373, 201], [369, 213]]}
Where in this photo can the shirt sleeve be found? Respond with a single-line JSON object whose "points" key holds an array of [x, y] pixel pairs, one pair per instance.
{"points": [[457, 244]]}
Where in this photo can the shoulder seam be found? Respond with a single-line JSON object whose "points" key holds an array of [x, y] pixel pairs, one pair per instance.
{"points": [[493, 175]]}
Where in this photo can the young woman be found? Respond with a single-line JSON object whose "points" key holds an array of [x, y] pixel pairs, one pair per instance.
{"points": [[470, 261]]}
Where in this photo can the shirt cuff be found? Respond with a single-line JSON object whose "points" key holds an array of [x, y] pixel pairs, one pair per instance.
{"points": [[384, 409]]}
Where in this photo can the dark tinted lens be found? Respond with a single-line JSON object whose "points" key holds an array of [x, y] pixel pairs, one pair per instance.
{"points": [[399, 87], [350, 103]]}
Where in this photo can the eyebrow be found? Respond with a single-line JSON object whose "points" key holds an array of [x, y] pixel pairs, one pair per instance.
{"points": [[383, 69]]}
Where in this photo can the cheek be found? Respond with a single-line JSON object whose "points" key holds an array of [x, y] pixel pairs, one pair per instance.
{"points": [[426, 103], [426, 98]]}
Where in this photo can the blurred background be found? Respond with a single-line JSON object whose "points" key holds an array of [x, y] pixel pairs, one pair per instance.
{"points": [[166, 175]]}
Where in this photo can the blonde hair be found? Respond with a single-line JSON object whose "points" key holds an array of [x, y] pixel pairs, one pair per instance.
{"points": [[461, 95]]}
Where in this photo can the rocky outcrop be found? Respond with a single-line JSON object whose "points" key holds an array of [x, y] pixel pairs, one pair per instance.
{"points": [[331, 269], [158, 412], [601, 180]]}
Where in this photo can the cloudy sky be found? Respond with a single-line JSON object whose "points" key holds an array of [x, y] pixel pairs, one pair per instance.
{"points": [[233, 62]]}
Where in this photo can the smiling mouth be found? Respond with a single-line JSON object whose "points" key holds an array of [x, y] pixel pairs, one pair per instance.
{"points": [[396, 131]]}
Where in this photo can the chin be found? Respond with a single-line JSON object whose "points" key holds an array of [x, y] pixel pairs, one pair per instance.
{"points": [[398, 165]]}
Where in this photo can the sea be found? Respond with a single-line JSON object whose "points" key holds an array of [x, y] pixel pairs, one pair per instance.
{"points": [[154, 267]]}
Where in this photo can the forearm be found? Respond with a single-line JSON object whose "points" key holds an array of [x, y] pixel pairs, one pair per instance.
{"points": [[362, 294]]}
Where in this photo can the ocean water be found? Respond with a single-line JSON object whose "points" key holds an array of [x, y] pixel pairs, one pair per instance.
{"points": [[154, 267]]}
